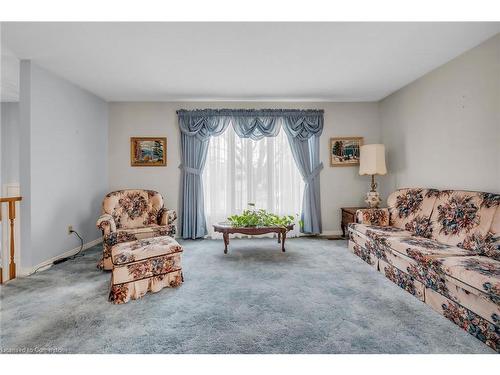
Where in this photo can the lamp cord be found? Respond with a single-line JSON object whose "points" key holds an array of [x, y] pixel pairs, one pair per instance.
{"points": [[81, 246], [61, 260]]}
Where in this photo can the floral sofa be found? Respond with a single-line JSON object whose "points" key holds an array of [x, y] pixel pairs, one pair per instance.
{"points": [[129, 215], [444, 248]]}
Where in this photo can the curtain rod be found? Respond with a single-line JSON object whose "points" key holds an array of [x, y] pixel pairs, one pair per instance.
{"points": [[249, 112]]}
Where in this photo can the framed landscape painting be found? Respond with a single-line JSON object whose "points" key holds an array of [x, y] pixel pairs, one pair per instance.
{"points": [[344, 151], [148, 151]]}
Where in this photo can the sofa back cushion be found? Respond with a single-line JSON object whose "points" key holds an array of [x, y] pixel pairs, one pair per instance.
{"points": [[133, 208], [464, 218], [492, 243], [410, 209]]}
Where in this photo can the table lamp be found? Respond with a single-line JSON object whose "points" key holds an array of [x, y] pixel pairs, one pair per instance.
{"points": [[372, 162]]}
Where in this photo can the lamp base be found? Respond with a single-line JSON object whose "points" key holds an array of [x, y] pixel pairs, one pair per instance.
{"points": [[373, 199]]}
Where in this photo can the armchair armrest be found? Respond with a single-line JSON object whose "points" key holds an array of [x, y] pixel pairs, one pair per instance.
{"points": [[373, 216], [166, 217], [106, 223]]}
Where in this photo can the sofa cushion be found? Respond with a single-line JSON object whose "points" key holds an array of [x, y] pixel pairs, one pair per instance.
{"points": [[492, 248], [417, 256], [421, 249], [420, 263], [388, 231], [133, 208], [410, 209], [481, 273], [463, 218], [428, 263]]}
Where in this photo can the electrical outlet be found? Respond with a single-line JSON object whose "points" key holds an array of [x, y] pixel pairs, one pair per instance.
{"points": [[70, 229]]}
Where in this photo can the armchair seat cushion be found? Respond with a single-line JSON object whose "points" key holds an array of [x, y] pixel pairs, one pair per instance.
{"points": [[131, 215], [128, 252], [160, 230], [133, 234]]}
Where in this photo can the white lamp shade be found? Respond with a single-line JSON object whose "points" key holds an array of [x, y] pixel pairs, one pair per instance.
{"points": [[372, 159]]}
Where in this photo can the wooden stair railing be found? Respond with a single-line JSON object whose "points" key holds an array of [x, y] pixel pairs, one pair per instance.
{"points": [[12, 216]]}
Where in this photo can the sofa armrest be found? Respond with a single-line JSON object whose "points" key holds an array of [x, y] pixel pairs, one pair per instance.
{"points": [[373, 216], [106, 223], [166, 216]]}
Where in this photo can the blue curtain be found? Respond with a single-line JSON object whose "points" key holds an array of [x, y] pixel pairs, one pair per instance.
{"points": [[196, 131], [303, 134], [303, 128]]}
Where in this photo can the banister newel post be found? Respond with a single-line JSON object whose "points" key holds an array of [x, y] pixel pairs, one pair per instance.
{"points": [[12, 216]]}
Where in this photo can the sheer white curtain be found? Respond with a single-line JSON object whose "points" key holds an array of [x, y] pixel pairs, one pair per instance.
{"points": [[239, 171]]}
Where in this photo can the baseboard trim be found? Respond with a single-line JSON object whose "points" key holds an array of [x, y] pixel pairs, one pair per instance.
{"points": [[331, 233], [45, 265]]}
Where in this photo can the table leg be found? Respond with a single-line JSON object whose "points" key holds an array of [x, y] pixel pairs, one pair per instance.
{"points": [[283, 236], [279, 237], [226, 241], [342, 226]]}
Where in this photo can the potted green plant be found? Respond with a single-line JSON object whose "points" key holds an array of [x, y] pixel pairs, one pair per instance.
{"points": [[252, 217]]}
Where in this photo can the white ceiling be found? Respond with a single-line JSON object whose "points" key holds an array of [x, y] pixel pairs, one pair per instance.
{"points": [[242, 61]]}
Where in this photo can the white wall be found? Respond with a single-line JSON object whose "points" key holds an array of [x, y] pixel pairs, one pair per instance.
{"points": [[443, 130], [339, 186], [64, 173], [9, 178], [10, 143]]}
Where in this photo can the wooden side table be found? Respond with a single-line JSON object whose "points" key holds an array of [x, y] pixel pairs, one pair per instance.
{"points": [[348, 216]]}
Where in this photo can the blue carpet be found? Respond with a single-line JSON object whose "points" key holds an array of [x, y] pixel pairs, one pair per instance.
{"points": [[315, 298]]}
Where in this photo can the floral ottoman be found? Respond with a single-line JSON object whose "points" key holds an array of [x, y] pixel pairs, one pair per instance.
{"points": [[146, 265]]}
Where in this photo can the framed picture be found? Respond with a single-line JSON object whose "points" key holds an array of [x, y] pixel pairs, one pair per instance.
{"points": [[148, 151], [344, 151]]}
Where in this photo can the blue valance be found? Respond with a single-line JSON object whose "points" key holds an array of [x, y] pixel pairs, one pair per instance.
{"points": [[250, 112], [251, 123]]}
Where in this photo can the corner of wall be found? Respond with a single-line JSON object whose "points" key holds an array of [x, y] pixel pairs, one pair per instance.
{"points": [[388, 182], [25, 159]]}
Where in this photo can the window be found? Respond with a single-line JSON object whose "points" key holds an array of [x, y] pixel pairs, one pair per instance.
{"points": [[239, 171]]}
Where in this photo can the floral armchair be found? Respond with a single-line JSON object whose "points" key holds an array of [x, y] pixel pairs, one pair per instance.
{"points": [[129, 215]]}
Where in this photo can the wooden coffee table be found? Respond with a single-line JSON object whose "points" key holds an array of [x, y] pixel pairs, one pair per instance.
{"points": [[227, 229]]}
